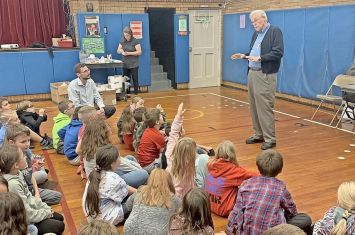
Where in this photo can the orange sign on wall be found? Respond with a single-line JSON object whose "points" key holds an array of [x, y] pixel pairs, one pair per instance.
{"points": [[137, 29]]}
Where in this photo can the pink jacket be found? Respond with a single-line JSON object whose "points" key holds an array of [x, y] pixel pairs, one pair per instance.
{"points": [[187, 183]]}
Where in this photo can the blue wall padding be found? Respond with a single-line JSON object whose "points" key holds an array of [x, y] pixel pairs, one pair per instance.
{"points": [[38, 70], [63, 65], [181, 44], [11, 73], [319, 45]]}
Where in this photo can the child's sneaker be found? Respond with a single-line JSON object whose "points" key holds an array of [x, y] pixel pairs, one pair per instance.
{"points": [[46, 144]]}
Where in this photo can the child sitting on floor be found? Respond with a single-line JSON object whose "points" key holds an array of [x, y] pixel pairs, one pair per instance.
{"points": [[28, 116], [12, 162], [224, 177], [66, 110], [195, 215], [105, 192], [34, 174], [152, 205], [264, 202], [152, 142], [340, 219]]}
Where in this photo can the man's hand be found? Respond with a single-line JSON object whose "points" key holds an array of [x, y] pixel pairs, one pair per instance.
{"points": [[237, 56], [124, 53], [253, 58]]}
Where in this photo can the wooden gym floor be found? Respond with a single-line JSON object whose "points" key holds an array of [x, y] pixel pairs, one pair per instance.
{"points": [[317, 158]]}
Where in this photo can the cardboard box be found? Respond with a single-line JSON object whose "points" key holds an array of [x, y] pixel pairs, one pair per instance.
{"points": [[108, 96], [59, 91], [65, 43]]}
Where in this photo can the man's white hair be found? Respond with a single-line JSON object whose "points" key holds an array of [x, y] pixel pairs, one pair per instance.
{"points": [[260, 13]]}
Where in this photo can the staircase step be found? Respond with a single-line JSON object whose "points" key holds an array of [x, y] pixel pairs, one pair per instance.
{"points": [[154, 61], [156, 68], [152, 54], [159, 76]]}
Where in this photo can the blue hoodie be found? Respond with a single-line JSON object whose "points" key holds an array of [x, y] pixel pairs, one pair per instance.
{"points": [[69, 134]]}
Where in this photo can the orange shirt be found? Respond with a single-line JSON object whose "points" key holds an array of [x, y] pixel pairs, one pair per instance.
{"points": [[222, 182]]}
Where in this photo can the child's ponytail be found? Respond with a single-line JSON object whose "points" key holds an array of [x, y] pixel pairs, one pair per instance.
{"points": [[92, 198]]}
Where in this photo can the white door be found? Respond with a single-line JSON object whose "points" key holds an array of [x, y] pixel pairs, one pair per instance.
{"points": [[204, 48]]}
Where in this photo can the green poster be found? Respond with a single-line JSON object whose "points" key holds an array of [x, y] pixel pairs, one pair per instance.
{"points": [[93, 45]]}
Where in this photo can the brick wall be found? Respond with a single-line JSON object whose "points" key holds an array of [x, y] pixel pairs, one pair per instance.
{"points": [[137, 6], [247, 5]]}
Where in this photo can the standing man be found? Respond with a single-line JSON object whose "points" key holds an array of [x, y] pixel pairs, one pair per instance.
{"points": [[82, 91], [265, 53]]}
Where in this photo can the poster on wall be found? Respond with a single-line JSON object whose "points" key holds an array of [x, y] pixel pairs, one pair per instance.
{"points": [[182, 25], [242, 21], [92, 26], [93, 45], [137, 29]]}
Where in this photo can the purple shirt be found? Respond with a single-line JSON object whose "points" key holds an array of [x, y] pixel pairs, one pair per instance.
{"points": [[262, 203]]}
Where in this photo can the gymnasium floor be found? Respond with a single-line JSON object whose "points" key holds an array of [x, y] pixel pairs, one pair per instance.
{"points": [[317, 158]]}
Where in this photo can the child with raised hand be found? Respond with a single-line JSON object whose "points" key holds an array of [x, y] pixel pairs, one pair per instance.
{"points": [[105, 191], [34, 173], [66, 110], [181, 156], [340, 219], [195, 215], [28, 116], [264, 202], [224, 177], [152, 205], [152, 142], [12, 162]]}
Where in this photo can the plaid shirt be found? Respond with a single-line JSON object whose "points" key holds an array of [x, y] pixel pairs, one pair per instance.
{"points": [[262, 203]]}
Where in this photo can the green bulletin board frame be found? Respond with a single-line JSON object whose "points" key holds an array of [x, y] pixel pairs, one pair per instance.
{"points": [[93, 45]]}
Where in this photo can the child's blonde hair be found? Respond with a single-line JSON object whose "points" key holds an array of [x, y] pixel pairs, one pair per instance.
{"points": [[23, 105], [97, 227], [184, 156], [85, 112], [15, 130], [226, 151], [9, 155], [8, 117], [346, 200], [158, 190]]}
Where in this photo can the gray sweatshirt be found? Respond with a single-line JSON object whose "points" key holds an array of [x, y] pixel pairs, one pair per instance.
{"points": [[36, 210], [149, 219]]}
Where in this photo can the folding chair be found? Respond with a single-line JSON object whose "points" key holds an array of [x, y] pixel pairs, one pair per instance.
{"points": [[349, 107], [339, 81]]}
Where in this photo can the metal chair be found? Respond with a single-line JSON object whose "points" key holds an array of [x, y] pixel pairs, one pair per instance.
{"points": [[340, 81], [349, 107]]}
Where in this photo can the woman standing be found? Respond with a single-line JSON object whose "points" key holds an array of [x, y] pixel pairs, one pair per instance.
{"points": [[130, 48]]}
